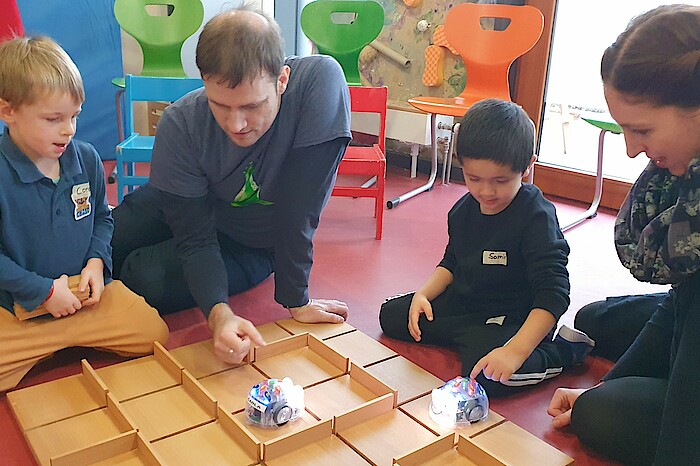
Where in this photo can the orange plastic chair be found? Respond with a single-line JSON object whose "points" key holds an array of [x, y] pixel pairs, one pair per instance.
{"points": [[488, 55], [370, 161]]}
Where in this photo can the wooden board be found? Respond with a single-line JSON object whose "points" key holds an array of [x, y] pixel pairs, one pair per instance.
{"points": [[360, 348], [166, 412], [144, 410], [137, 377], [337, 396], [386, 437], [199, 359], [418, 410], [75, 433], [231, 388], [312, 447], [515, 446], [407, 378], [322, 331], [272, 332], [129, 449], [443, 452], [207, 444], [73, 281], [59, 399], [297, 357]]}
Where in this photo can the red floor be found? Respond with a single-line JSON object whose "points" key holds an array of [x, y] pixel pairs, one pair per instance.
{"points": [[351, 265]]}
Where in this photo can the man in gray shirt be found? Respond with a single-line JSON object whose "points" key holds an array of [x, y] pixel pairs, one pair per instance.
{"points": [[240, 173]]}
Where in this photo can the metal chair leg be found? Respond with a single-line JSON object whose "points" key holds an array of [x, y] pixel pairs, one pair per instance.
{"points": [[593, 209], [433, 169]]}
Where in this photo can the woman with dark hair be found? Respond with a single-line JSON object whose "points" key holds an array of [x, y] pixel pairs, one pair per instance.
{"points": [[647, 408]]}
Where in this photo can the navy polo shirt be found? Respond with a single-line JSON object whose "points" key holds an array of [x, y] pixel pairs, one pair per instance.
{"points": [[49, 229]]}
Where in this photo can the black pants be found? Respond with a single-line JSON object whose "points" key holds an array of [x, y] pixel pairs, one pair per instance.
{"points": [[653, 418], [614, 323], [454, 326], [145, 258], [621, 419]]}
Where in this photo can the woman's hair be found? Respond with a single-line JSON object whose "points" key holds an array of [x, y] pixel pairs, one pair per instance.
{"points": [[657, 58], [32, 67], [498, 131], [240, 44]]}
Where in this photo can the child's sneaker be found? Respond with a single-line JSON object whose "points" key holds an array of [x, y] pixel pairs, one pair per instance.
{"points": [[580, 343]]}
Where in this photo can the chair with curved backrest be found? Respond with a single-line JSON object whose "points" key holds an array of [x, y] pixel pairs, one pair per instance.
{"points": [[137, 148], [341, 28], [360, 160], [487, 54], [160, 36]]}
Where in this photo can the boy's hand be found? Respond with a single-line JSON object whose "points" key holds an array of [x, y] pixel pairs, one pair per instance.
{"points": [[92, 278], [499, 364], [561, 404], [419, 305], [62, 301]]}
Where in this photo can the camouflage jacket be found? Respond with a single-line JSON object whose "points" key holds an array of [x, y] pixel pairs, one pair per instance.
{"points": [[657, 231]]}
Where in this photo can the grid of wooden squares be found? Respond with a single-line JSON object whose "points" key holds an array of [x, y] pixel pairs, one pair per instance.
{"points": [[365, 404]]}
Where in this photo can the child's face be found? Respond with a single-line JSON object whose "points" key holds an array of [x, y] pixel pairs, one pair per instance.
{"points": [[43, 129], [493, 186]]}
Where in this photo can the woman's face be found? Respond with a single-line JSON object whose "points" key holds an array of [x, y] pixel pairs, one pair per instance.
{"points": [[668, 135]]}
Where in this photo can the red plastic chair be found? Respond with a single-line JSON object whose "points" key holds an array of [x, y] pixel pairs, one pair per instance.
{"points": [[367, 160], [487, 55]]}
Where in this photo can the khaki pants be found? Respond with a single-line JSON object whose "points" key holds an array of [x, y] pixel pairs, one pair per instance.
{"points": [[121, 322]]}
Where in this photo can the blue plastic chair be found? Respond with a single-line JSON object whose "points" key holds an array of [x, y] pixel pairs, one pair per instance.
{"points": [[136, 148]]}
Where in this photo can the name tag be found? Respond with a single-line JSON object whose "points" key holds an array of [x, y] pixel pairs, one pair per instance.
{"points": [[494, 258], [80, 195]]}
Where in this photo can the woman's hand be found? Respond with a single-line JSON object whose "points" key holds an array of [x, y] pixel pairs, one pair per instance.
{"points": [[561, 405]]}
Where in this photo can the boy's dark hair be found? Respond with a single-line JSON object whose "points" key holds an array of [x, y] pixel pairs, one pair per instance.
{"points": [[499, 131], [657, 58], [241, 44]]}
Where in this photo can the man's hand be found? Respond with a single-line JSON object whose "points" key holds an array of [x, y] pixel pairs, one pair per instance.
{"points": [[499, 364], [419, 305], [561, 404], [233, 335], [62, 301], [321, 311], [92, 279]]}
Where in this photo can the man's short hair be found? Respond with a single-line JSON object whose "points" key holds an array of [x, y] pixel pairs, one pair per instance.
{"points": [[240, 44], [499, 131], [33, 67]]}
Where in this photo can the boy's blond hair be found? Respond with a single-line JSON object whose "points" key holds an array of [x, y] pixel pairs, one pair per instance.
{"points": [[32, 67]]}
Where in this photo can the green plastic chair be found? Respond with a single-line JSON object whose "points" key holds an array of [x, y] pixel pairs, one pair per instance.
{"points": [[160, 37], [322, 22]]}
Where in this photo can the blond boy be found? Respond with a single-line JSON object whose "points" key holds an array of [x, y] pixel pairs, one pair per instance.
{"points": [[55, 221]]}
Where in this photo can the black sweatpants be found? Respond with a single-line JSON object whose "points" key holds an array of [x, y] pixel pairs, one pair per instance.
{"points": [[474, 335], [145, 258], [648, 411]]}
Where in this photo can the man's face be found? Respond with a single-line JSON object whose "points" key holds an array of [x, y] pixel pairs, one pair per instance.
{"points": [[247, 111]]}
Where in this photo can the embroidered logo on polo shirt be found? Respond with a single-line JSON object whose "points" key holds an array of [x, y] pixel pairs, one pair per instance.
{"points": [[80, 195], [250, 192], [494, 258]]}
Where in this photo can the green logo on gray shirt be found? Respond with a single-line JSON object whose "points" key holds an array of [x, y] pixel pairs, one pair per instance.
{"points": [[250, 192]]}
